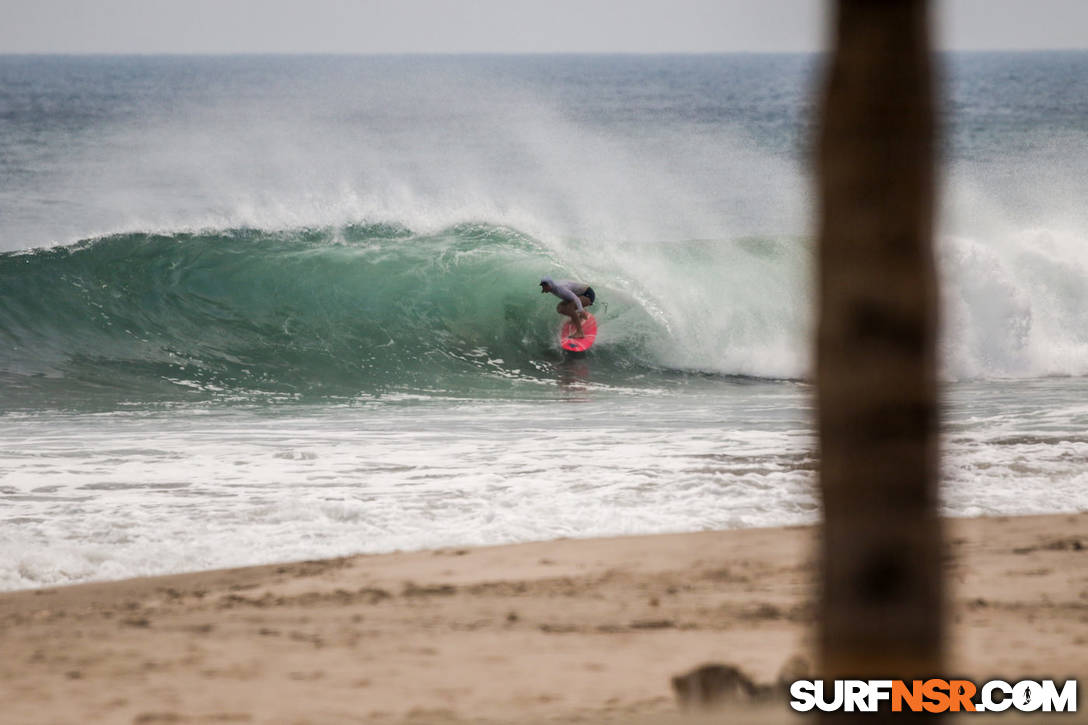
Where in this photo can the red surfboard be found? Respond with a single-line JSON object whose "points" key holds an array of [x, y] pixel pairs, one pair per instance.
{"points": [[578, 344]]}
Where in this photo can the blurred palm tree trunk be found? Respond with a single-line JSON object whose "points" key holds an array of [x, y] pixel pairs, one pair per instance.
{"points": [[876, 377]]}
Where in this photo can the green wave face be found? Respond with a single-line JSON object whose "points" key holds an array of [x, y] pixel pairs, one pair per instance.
{"points": [[357, 311]]}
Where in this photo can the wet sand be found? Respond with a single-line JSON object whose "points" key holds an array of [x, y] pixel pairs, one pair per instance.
{"points": [[564, 631]]}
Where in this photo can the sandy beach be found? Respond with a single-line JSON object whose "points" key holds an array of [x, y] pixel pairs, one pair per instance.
{"points": [[570, 630]]}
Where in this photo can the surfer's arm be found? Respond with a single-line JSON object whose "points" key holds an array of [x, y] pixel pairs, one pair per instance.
{"points": [[569, 296]]}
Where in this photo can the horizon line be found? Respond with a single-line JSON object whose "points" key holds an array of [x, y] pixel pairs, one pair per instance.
{"points": [[483, 53]]}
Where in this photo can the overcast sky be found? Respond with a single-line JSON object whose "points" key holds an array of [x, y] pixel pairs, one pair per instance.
{"points": [[497, 26]]}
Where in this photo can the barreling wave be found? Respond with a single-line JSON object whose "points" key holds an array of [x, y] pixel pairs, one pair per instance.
{"points": [[371, 310], [357, 310]]}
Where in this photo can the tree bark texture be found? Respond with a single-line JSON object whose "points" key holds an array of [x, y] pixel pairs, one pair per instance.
{"points": [[875, 361]]}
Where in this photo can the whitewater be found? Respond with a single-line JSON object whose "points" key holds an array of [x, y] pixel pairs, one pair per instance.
{"points": [[256, 309]]}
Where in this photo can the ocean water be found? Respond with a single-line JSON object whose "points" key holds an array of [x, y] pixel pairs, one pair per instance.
{"points": [[265, 308]]}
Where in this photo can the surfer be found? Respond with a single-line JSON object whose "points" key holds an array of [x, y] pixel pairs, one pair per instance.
{"points": [[576, 297]]}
